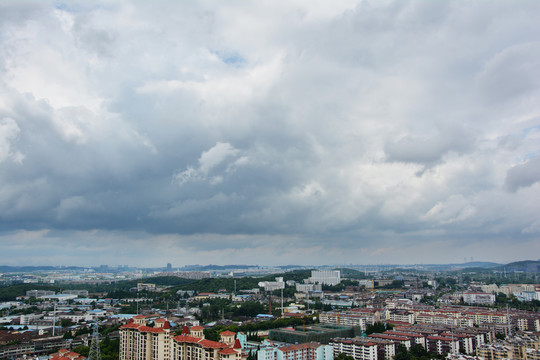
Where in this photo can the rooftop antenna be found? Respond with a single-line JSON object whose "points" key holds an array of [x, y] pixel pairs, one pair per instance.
{"points": [[94, 353]]}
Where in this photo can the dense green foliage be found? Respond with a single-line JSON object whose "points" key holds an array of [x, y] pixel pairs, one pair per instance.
{"points": [[10, 293], [377, 328], [81, 349], [416, 352], [246, 283], [501, 301], [351, 273], [215, 284], [216, 308], [213, 333], [343, 356], [396, 284], [108, 348], [341, 286]]}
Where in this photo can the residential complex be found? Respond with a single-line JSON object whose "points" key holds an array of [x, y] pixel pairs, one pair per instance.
{"points": [[138, 341], [305, 351]]}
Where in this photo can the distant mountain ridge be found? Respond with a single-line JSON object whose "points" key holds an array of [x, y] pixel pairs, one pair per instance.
{"points": [[524, 266], [473, 264], [215, 267], [11, 269]]}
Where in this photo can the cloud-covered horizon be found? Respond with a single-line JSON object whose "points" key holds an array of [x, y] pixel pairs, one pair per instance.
{"points": [[303, 132]]}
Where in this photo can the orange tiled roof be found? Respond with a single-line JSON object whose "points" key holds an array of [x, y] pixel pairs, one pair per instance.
{"points": [[227, 351], [212, 344], [131, 326], [151, 329]]}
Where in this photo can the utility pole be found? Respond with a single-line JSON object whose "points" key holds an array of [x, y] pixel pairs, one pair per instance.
{"points": [[54, 321], [508, 320], [281, 302]]}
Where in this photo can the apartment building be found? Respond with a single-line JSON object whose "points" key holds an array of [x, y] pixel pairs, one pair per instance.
{"points": [[400, 316], [305, 288], [141, 342], [325, 277], [358, 348], [39, 293], [414, 338], [495, 352], [397, 339], [305, 351], [138, 341], [478, 298], [442, 345], [346, 319]]}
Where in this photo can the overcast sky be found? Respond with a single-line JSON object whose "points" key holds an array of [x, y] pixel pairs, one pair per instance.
{"points": [[269, 132]]}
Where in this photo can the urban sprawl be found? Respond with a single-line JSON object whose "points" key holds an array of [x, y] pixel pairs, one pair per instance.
{"points": [[257, 313]]}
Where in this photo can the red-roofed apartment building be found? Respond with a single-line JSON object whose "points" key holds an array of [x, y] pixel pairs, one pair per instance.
{"points": [[141, 342], [64, 354]]}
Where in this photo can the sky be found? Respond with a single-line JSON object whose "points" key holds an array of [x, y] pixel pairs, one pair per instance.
{"points": [[269, 132]]}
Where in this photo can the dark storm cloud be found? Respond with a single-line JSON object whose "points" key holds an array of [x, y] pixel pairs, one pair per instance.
{"points": [[523, 175], [311, 130]]}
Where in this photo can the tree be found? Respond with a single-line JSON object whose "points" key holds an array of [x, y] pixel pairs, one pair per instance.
{"points": [[377, 327], [402, 353], [81, 349], [343, 356], [418, 351], [66, 322]]}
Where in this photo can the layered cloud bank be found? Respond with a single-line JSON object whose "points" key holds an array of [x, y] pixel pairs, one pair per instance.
{"points": [[297, 132]]}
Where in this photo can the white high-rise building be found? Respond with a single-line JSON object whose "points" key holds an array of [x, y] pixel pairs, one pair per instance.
{"points": [[325, 277]]}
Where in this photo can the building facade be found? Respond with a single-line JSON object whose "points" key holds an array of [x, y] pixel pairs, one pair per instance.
{"points": [[138, 341], [306, 351], [325, 277]]}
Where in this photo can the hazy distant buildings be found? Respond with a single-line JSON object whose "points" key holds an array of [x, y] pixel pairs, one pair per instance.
{"points": [[194, 275], [76, 292], [478, 298], [146, 287], [273, 285], [39, 293], [325, 277], [305, 288]]}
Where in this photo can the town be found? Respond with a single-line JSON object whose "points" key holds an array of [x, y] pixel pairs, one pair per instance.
{"points": [[264, 313]]}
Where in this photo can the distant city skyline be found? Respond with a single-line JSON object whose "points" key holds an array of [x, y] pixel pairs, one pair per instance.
{"points": [[301, 132], [216, 267]]}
